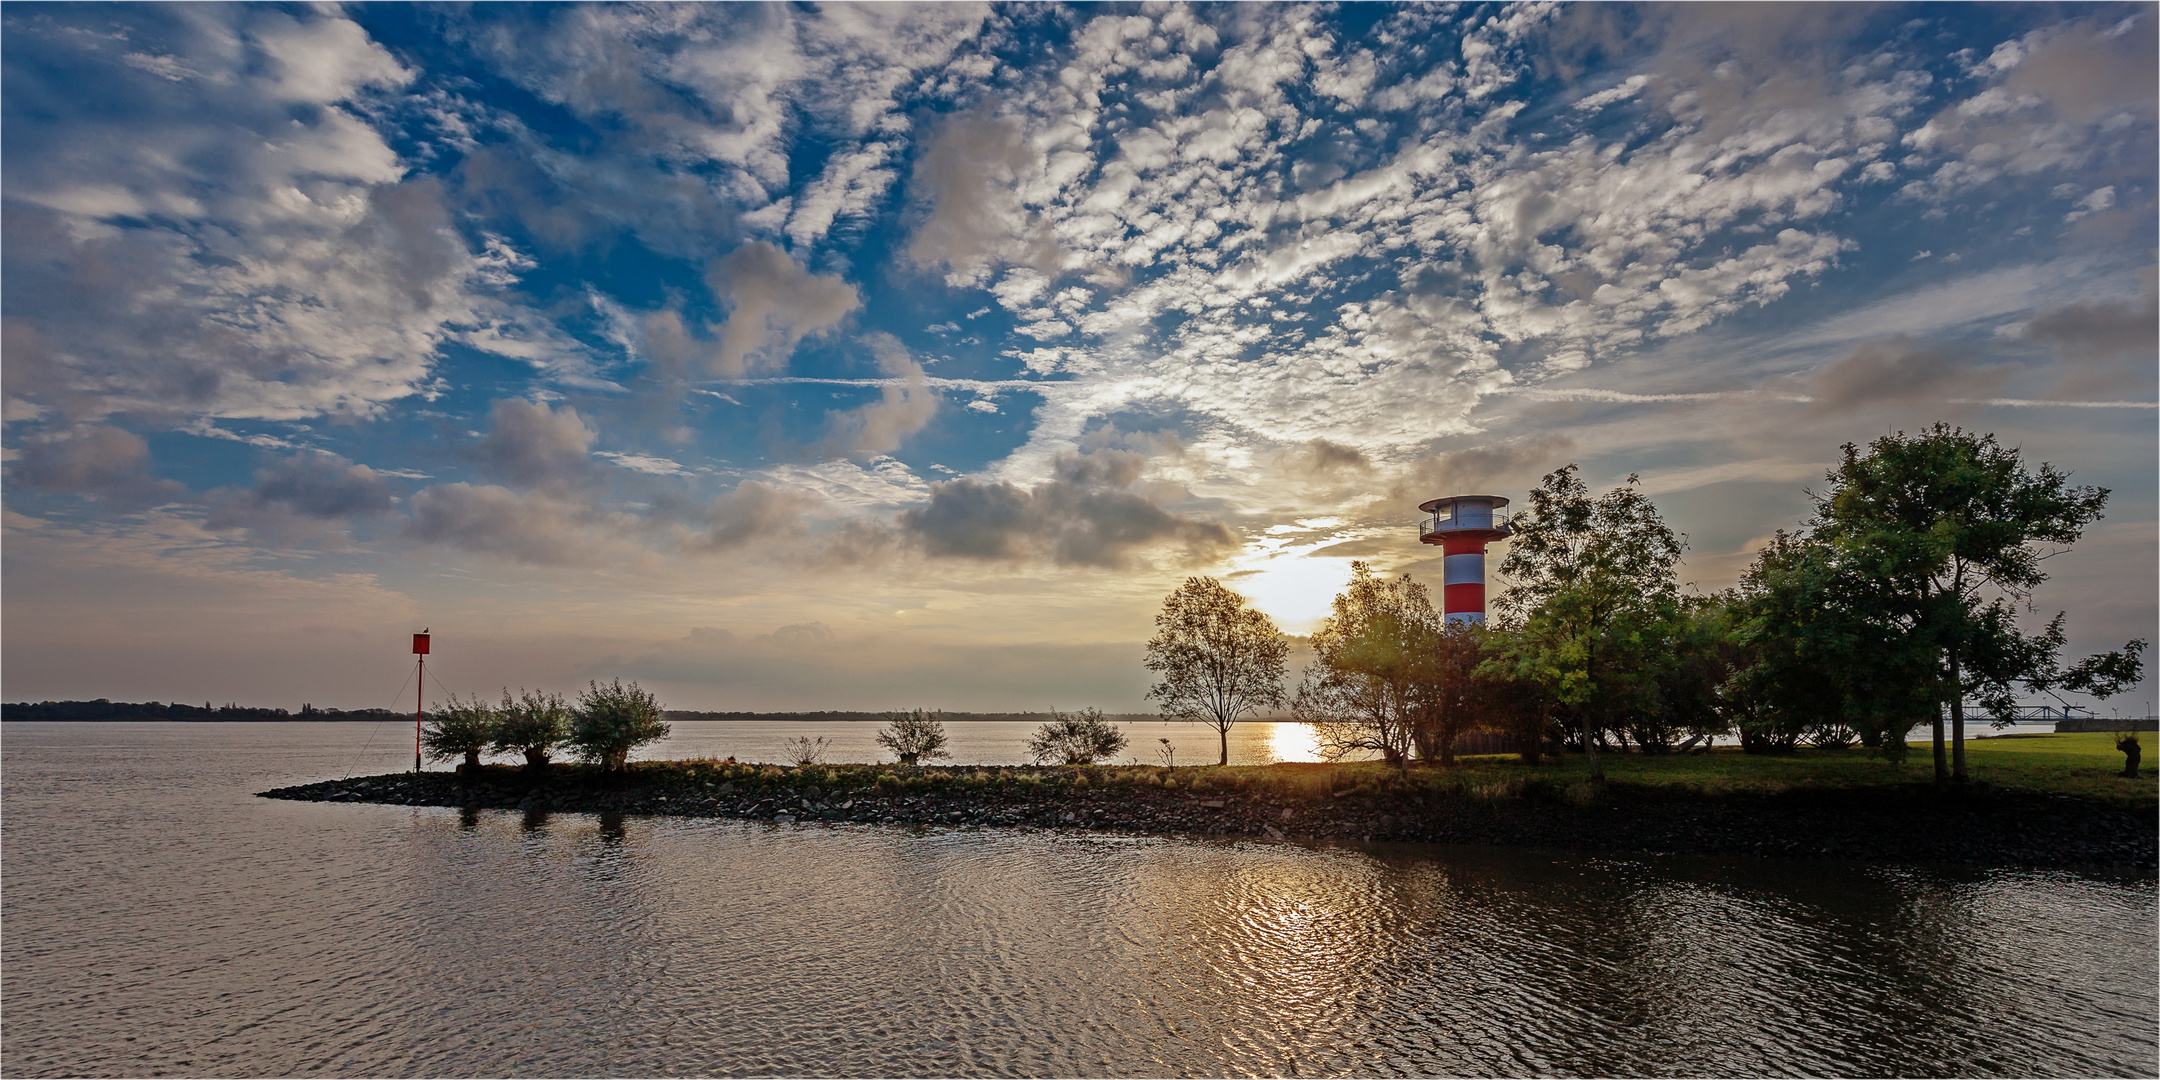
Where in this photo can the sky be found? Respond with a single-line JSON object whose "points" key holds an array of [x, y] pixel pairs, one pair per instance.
{"points": [[829, 357]]}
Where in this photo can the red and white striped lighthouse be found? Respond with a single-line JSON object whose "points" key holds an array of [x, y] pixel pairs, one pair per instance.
{"points": [[1462, 525]]}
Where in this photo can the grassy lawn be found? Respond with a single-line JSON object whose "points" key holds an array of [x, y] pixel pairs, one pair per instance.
{"points": [[2084, 765]]}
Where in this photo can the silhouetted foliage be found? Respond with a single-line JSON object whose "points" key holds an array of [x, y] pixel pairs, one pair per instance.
{"points": [[612, 720], [914, 737], [458, 729], [805, 751], [1219, 660], [1081, 738], [532, 724], [1367, 686], [1078, 737]]}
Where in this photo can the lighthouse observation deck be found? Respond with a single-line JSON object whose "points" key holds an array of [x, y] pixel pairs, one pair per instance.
{"points": [[1463, 517]]}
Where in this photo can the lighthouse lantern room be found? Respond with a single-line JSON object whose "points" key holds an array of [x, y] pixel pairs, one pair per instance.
{"points": [[1461, 525]]}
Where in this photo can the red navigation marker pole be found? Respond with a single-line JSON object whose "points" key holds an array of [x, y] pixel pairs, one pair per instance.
{"points": [[420, 649]]}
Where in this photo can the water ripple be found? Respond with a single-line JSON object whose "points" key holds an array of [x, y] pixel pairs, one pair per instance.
{"points": [[162, 922]]}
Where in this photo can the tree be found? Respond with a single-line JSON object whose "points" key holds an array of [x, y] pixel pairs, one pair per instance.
{"points": [[1450, 699], [1369, 685], [459, 729], [1690, 667], [612, 720], [1081, 738], [1812, 654], [1218, 659], [914, 736], [1591, 586], [532, 724], [1938, 536]]}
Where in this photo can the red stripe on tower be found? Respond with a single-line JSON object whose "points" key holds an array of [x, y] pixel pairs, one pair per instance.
{"points": [[1462, 525]]}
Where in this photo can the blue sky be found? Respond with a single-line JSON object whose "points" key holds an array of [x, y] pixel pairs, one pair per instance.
{"points": [[832, 357]]}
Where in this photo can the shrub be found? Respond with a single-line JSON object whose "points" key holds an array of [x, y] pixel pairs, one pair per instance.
{"points": [[914, 737], [459, 729], [612, 720], [805, 751], [1082, 738], [533, 724]]}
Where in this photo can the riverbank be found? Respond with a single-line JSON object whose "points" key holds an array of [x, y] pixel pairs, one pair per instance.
{"points": [[1492, 801]]}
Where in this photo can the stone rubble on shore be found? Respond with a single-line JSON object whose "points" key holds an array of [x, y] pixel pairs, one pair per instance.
{"points": [[1906, 824]]}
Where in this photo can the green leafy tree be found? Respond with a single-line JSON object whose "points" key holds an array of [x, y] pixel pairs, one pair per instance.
{"points": [[914, 737], [458, 729], [1369, 686], [1591, 590], [1939, 538], [1081, 738], [1814, 654], [612, 720], [1692, 666], [532, 724], [1219, 660]]}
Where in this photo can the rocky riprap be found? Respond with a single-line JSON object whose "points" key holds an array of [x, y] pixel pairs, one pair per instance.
{"points": [[1906, 823]]}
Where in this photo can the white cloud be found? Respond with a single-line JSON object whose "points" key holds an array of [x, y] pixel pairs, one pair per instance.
{"points": [[233, 257]]}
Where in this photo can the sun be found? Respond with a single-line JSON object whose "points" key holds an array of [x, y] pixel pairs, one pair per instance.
{"points": [[1294, 590]]}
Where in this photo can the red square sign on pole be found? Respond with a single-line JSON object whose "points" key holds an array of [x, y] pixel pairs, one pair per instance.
{"points": [[419, 644]]}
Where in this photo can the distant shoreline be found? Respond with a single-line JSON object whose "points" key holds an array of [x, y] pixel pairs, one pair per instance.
{"points": [[809, 718]]}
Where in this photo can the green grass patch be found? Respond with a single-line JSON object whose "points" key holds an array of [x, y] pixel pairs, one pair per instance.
{"points": [[2083, 765]]}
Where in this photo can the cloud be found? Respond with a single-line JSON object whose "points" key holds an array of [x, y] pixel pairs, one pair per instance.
{"points": [[1512, 465], [803, 636], [320, 486], [2075, 94], [775, 304], [217, 230], [302, 498], [753, 511], [1083, 516], [1901, 369], [530, 443], [540, 528], [968, 175], [2105, 345], [1325, 458], [697, 111], [903, 408], [106, 463]]}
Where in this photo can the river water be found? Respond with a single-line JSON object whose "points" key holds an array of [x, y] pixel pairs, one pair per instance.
{"points": [[159, 920]]}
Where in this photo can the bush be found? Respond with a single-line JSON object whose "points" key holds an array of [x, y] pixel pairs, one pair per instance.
{"points": [[1082, 738], [459, 729], [805, 751], [612, 720], [533, 724], [914, 737]]}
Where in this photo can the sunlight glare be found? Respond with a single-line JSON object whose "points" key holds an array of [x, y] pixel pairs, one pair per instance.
{"points": [[1296, 592]]}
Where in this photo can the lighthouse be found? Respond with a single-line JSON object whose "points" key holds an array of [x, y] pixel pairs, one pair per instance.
{"points": [[1462, 525]]}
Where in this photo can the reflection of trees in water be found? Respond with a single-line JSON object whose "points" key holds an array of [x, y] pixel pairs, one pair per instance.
{"points": [[1506, 961], [537, 929], [1742, 968]]}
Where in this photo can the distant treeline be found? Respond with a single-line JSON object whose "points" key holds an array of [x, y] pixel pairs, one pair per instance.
{"points": [[880, 717], [101, 709]]}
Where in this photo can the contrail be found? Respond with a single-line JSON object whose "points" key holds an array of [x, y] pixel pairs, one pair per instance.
{"points": [[1621, 397]]}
